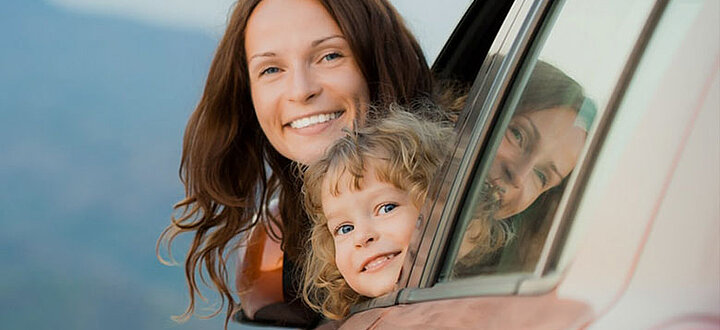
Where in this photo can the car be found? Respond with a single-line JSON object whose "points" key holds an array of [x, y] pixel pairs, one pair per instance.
{"points": [[631, 236]]}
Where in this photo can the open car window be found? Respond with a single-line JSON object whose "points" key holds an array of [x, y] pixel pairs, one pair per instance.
{"points": [[594, 252], [496, 224], [510, 222], [518, 185]]}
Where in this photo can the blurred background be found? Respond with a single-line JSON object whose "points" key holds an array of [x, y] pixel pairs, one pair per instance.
{"points": [[94, 97]]}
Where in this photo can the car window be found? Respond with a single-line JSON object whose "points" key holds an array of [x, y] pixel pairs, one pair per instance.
{"points": [[509, 219]]}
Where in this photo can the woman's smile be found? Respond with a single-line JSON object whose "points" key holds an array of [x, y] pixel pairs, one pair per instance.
{"points": [[315, 119], [305, 84]]}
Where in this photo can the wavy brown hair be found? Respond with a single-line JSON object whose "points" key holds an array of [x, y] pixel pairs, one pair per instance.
{"points": [[231, 171], [407, 150]]}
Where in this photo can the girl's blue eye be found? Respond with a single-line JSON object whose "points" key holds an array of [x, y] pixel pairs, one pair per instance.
{"points": [[344, 229], [387, 208], [331, 56], [270, 70]]}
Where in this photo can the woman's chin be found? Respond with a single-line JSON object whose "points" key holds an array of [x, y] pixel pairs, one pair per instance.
{"points": [[309, 149], [307, 153]]}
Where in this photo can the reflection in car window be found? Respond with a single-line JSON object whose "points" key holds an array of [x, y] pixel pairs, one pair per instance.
{"points": [[508, 221], [514, 200]]}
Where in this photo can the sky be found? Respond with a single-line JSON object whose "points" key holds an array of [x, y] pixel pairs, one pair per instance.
{"points": [[431, 21]]}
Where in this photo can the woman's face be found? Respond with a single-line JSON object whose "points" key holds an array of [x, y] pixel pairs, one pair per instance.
{"points": [[538, 151], [305, 83]]}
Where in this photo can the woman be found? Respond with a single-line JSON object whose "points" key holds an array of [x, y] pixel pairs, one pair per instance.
{"points": [[286, 78], [538, 151]]}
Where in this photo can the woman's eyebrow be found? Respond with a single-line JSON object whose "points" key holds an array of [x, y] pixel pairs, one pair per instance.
{"points": [[315, 43], [321, 40], [554, 168], [535, 133], [265, 54]]}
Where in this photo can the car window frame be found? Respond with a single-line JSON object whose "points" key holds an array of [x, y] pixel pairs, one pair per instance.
{"points": [[545, 276], [485, 102], [514, 42], [493, 79], [555, 248]]}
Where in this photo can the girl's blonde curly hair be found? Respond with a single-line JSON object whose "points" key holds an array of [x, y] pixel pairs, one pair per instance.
{"points": [[407, 149]]}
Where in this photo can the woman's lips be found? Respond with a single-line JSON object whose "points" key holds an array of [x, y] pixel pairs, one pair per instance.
{"points": [[496, 190], [314, 119], [314, 124], [376, 263]]}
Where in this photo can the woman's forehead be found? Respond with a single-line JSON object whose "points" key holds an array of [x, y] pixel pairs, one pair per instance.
{"points": [[560, 140], [281, 23]]}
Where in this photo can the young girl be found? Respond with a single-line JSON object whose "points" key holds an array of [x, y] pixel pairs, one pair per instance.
{"points": [[364, 197]]}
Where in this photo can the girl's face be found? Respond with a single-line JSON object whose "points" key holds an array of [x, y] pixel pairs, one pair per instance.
{"points": [[371, 228], [305, 83], [538, 151]]}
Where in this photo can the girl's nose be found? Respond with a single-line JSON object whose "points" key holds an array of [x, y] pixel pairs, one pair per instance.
{"points": [[365, 236]]}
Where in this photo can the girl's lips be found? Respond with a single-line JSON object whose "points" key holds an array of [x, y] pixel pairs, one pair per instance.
{"points": [[376, 263]]}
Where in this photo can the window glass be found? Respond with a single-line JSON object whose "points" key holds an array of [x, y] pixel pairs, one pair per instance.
{"points": [[540, 138]]}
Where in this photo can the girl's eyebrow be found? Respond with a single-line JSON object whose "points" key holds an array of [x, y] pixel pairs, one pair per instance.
{"points": [[331, 216]]}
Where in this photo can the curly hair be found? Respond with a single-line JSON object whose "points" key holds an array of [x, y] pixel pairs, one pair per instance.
{"points": [[406, 150], [230, 170]]}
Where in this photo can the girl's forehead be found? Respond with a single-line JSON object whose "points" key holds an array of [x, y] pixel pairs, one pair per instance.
{"points": [[342, 177]]}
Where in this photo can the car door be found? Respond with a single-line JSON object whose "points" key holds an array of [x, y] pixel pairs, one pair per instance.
{"points": [[648, 70]]}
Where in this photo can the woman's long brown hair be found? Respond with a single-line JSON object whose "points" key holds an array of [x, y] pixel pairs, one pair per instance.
{"points": [[231, 171]]}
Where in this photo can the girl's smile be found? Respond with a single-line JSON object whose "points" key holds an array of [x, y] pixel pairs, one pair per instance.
{"points": [[371, 228]]}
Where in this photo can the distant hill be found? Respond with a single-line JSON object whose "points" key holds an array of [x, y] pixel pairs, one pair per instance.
{"points": [[92, 111]]}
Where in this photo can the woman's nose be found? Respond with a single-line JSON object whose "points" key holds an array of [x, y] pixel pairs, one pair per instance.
{"points": [[303, 86], [516, 172]]}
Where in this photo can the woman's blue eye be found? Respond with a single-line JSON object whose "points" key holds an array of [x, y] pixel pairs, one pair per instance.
{"points": [[344, 229], [541, 176], [387, 208], [516, 134], [331, 56], [270, 70]]}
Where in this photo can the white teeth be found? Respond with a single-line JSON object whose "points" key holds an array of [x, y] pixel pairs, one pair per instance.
{"points": [[378, 261], [316, 119]]}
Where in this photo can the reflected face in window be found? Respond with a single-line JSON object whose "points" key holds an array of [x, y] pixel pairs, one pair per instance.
{"points": [[538, 151], [371, 229]]}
